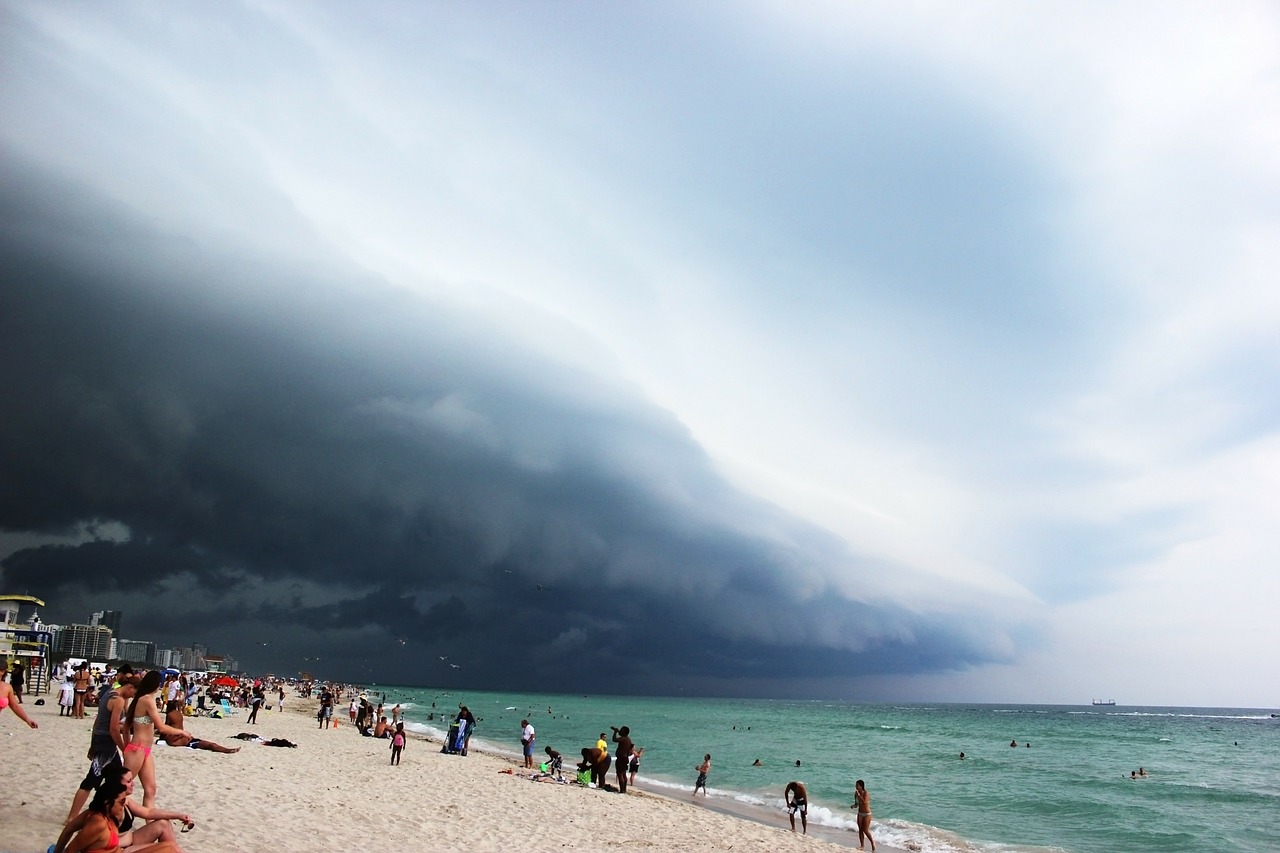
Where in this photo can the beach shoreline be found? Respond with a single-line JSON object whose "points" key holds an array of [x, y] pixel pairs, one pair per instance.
{"points": [[337, 784]]}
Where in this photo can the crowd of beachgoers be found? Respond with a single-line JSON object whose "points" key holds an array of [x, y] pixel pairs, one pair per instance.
{"points": [[123, 803], [133, 712]]}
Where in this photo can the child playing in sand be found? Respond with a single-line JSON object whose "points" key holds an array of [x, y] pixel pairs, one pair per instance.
{"points": [[397, 743]]}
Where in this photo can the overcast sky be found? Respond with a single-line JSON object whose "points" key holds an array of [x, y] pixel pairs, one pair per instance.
{"points": [[878, 351]]}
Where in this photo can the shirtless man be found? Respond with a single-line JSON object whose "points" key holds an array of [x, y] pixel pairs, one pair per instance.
{"points": [[106, 740], [703, 769], [797, 799], [622, 758]]}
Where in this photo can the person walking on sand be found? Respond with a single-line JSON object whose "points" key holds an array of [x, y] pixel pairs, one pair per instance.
{"points": [[796, 796], [397, 743], [255, 705], [141, 723], [326, 708], [107, 739], [527, 740], [703, 769], [862, 802]]}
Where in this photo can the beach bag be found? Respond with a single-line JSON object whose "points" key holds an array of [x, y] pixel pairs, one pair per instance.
{"points": [[584, 777]]}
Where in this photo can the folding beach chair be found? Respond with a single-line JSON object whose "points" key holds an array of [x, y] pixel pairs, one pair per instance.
{"points": [[228, 710]]}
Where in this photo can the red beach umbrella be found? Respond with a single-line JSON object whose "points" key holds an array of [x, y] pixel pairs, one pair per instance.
{"points": [[225, 681]]}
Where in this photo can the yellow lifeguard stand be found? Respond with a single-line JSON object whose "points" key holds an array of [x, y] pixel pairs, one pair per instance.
{"points": [[24, 643]]}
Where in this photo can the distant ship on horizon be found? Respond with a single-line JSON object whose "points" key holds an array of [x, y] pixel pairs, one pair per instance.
{"points": [[1104, 701]]}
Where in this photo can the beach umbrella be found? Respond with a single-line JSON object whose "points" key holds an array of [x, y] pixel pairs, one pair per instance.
{"points": [[225, 681], [169, 671]]}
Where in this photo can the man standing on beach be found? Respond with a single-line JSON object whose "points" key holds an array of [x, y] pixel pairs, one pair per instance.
{"points": [[106, 739], [527, 738], [622, 758], [797, 799], [326, 707]]}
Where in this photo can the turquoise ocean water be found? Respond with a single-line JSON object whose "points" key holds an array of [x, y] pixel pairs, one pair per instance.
{"points": [[1213, 783]]}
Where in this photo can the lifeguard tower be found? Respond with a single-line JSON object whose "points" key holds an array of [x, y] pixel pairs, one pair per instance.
{"points": [[26, 644]]}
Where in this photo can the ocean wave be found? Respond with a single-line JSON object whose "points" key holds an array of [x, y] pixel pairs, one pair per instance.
{"points": [[922, 838], [1021, 711], [1170, 714]]}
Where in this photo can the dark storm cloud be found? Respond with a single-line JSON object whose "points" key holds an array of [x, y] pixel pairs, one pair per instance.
{"points": [[318, 470]]}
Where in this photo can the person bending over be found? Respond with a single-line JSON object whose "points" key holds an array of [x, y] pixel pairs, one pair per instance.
{"points": [[797, 799]]}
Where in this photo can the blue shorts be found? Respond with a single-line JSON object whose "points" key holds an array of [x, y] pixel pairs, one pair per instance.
{"points": [[528, 749]]}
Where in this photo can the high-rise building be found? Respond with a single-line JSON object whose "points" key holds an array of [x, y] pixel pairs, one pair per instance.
{"points": [[92, 642], [108, 618], [136, 651]]}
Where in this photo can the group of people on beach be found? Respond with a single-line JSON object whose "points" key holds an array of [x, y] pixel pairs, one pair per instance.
{"points": [[593, 769], [796, 797], [121, 744], [134, 712]]}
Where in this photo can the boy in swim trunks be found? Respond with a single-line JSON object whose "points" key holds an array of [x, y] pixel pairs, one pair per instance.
{"points": [[703, 769]]}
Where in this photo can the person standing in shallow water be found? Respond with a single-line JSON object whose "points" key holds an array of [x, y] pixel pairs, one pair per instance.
{"points": [[862, 802], [703, 769]]}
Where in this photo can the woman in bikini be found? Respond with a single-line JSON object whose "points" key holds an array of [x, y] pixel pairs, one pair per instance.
{"points": [[140, 725], [100, 830], [8, 699], [158, 830], [80, 684], [862, 802]]}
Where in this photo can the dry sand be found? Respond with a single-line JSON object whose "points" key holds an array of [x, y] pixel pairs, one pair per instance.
{"points": [[338, 789]]}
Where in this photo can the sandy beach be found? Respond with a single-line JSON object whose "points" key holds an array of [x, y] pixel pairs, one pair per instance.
{"points": [[339, 787]]}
